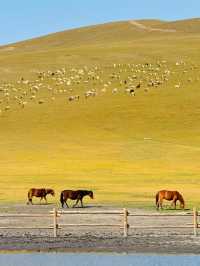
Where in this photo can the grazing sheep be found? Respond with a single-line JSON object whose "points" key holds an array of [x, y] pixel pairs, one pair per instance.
{"points": [[32, 97], [115, 90], [103, 90], [177, 86], [138, 85], [90, 93], [130, 91], [26, 82], [23, 104], [77, 97], [72, 98], [7, 108], [7, 94]]}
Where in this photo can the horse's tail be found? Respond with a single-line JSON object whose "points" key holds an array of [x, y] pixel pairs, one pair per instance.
{"points": [[29, 197], [157, 198], [62, 199]]}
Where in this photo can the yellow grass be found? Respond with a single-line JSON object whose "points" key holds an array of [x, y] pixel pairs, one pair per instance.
{"points": [[123, 148]]}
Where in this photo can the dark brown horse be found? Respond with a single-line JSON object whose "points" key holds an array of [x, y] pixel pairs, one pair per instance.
{"points": [[74, 195], [40, 193], [169, 195]]}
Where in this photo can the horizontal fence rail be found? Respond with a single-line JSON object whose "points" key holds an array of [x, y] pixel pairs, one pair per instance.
{"points": [[55, 225]]}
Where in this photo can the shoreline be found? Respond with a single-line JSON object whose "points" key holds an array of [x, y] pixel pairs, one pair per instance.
{"points": [[145, 244]]}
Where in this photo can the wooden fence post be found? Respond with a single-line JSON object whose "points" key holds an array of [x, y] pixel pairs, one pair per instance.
{"points": [[125, 222], [55, 225], [195, 221]]}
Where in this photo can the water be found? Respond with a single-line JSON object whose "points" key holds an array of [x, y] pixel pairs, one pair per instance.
{"points": [[92, 259]]}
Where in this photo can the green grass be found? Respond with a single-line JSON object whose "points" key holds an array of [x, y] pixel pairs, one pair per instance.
{"points": [[124, 148]]}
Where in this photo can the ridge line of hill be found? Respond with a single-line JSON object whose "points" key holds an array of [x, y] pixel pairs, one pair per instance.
{"points": [[98, 31]]}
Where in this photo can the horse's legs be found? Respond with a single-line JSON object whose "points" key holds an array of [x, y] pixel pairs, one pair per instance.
{"points": [[76, 203], [160, 203], [81, 202], [41, 199], [174, 202], [29, 201], [45, 199], [66, 204]]}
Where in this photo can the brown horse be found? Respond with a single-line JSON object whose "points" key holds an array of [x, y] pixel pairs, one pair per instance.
{"points": [[169, 195], [39, 192], [74, 195]]}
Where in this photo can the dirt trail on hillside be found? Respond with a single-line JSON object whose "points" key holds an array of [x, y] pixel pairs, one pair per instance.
{"points": [[143, 27]]}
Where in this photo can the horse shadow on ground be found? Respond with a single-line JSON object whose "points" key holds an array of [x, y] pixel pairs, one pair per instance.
{"points": [[41, 204], [85, 207], [169, 208]]}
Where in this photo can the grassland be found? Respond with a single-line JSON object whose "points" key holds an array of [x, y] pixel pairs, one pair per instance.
{"points": [[124, 148]]}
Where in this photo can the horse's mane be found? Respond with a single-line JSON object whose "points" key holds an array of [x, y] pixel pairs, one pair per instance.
{"points": [[84, 191], [49, 191]]}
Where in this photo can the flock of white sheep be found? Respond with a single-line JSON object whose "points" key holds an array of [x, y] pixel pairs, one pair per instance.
{"points": [[91, 81]]}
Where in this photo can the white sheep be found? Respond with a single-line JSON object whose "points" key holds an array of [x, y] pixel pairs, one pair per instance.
{"points": [[115, 90]]}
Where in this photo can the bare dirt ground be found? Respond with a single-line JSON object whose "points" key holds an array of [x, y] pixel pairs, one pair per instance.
{"points": [[81, 239], [143, 27]]}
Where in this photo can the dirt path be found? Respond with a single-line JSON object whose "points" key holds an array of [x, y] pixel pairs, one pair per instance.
{"points": [[94, 238], [143, 27]]}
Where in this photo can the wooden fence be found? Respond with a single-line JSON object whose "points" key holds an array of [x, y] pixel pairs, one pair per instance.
{"points": [[123, 214]]}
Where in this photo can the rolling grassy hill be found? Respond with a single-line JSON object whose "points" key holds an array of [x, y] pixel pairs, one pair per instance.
{"points": [[124, 147]]}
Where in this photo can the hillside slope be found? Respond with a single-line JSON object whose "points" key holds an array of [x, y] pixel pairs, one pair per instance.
{"points": [[113, 108], [113, 42], [108, 32]]}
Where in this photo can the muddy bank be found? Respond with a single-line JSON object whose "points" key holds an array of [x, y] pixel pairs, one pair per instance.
{"points": [[90, 243]]}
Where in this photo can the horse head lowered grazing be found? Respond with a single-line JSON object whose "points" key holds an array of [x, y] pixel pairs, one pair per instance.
{"points": [[74, 195], [173, 196], [40, 193]]}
